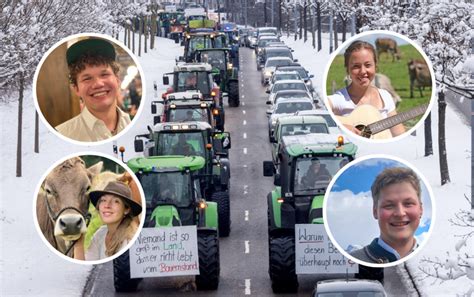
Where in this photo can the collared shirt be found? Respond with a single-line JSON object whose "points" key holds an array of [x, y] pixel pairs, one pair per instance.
{"points": [[389, 249], [86, 127]]}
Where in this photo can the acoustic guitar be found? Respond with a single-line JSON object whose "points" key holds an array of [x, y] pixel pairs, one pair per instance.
{"points": [[368, 120]]}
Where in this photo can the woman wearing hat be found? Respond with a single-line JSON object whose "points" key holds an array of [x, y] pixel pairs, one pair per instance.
{"points": [[116, 210]]}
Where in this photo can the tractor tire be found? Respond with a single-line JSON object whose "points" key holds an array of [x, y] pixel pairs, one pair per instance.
{"points": [[122, 280], [282, 265], [209, 263], [372, 273], [234, 100], [223, 209]]}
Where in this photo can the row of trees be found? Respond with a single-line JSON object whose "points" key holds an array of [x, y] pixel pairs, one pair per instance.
{"points": [[29, 28]]}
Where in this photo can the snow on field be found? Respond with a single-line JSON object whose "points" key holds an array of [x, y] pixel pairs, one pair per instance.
{"points": [[448, 198], [28, 267]]}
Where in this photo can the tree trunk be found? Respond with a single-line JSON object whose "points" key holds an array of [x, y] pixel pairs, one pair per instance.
{"points": [[140, 30], [20, 125], [133, 36], [265, 13], [318, 12], [336, 43], [313, 33], [145, 25], [280, 21], [305, 21], [443, 159], [125, 36], [344, 23], [428, 136], [36, 132], [301, 22], [153, 31]]}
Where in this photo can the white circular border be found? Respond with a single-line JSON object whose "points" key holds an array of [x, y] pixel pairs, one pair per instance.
{"points": [[391, 158], [142, 100], [123, 250], [357, 37]]}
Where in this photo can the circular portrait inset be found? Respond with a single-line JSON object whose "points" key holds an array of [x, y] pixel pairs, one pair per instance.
{"points": [[379, 86], [379, 211], [88, 88], [89, 208]]}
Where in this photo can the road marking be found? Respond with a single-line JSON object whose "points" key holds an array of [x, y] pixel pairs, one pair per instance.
{"points": [[245, 166], [243, 103], [242, 85], [247, 247], [246, 215], [246, 187], [245, 122], [245, 135], [245, 150], [247, 287], [243, 111], [243, 96]]}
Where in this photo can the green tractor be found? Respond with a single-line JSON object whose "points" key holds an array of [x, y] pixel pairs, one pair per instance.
{"points": [[198, 139], [173, 198], [223, 70], [298, 197]]}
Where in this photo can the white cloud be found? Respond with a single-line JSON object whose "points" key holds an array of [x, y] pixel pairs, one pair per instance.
{"points": [[350, 218]]}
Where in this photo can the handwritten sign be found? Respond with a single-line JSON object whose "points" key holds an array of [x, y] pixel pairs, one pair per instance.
{"points": [[315, 252], [165, 252]]}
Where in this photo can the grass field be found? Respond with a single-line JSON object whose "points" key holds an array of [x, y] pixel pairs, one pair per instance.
{"points": [[397, 72]]}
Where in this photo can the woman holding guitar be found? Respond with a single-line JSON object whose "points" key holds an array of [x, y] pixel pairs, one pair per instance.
{"points": [[362, 97]]}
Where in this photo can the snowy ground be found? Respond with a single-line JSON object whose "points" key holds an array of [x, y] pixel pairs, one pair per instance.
{"points": [[28, 267]]}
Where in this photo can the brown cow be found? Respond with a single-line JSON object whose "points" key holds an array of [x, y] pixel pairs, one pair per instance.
{"points": [[389, 46], [62, 202], [419, 74]]}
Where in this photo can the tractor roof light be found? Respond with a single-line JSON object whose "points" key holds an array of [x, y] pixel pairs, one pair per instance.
{"points": [[340, 140], [185, 127], [175, 127], [203, 105], [213, 93], [208, 146], [173, 106], [195, 96], [280, 200], [122, 149], [215, 111], [202, 204]]}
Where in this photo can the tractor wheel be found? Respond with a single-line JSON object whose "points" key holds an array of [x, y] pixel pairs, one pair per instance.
{"points": [[282, 265], [223, 209], [372, 273], [234, 100], [122, 280], [209, 265]]}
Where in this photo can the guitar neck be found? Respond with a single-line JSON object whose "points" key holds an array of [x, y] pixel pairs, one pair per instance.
{"points": [[397, 119]]}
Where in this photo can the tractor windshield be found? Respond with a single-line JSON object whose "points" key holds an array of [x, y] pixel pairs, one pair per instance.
{"points": [[183, 143], [188, 114], [199, 42], [303, 128], [194, 81], [167, 187], [313, 174], [215, 58]]}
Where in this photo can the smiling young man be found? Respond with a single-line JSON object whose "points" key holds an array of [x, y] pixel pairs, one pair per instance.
{"points": [[93, 74], [397, 206]]}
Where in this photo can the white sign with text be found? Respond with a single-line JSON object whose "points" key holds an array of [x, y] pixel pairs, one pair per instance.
{"points": [[315, 252], [167, 251]]}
